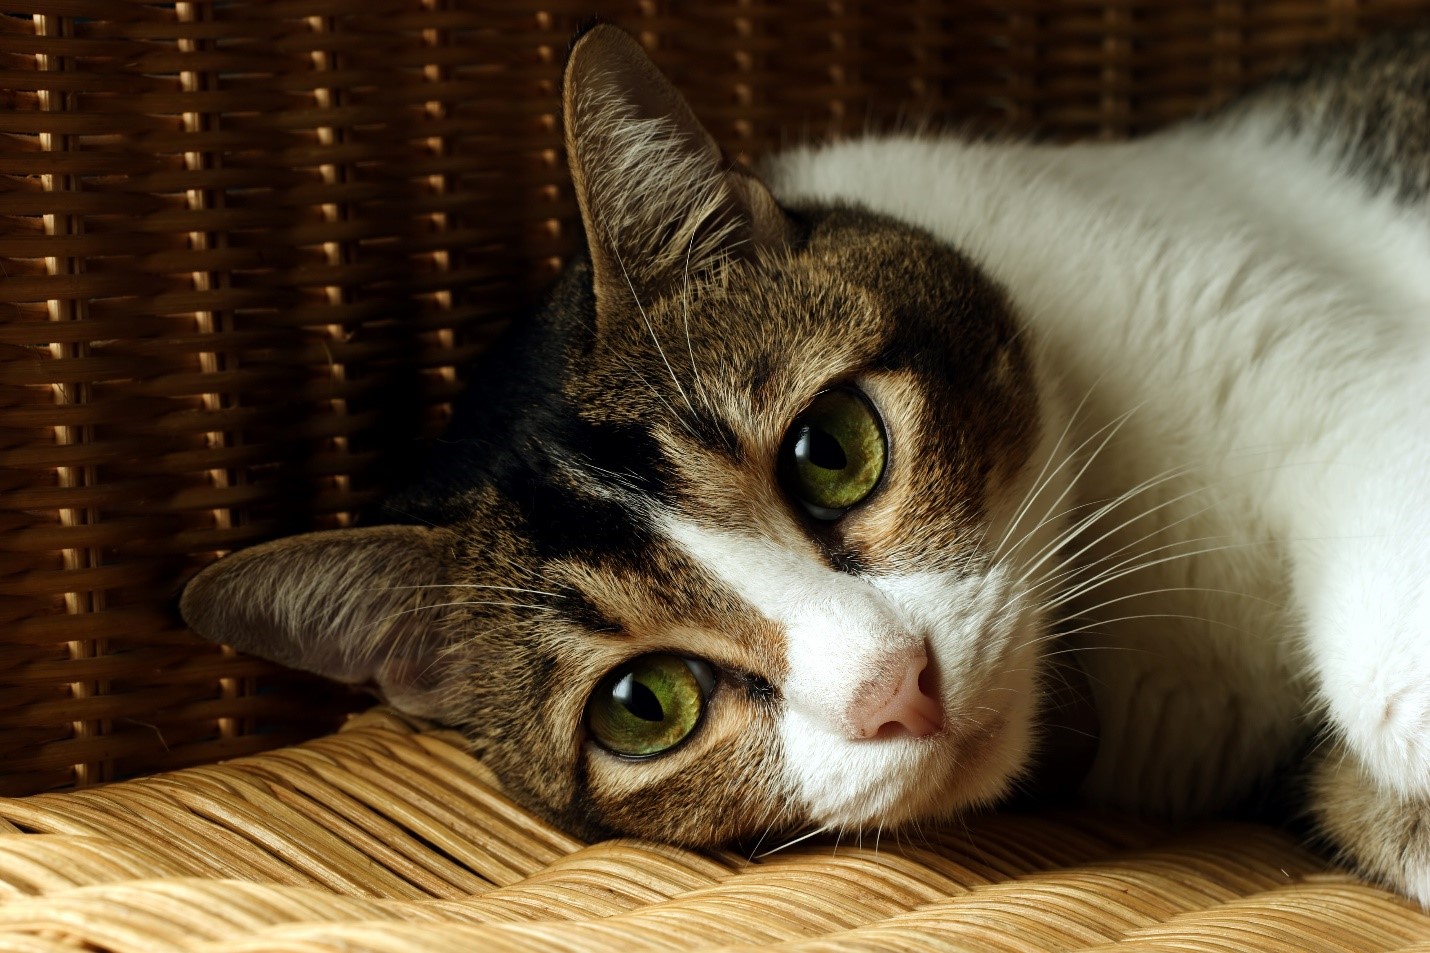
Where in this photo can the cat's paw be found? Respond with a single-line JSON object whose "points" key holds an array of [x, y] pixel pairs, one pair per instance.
{"points": [[1370, 642], [1383, 714], [1382, 833]]}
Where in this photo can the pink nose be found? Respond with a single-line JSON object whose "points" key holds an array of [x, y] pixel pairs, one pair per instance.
{"points": [[899, 702]]}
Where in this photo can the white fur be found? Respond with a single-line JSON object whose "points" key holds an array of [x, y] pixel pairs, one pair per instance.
{"points": [[1262, 323], [838, 631]]}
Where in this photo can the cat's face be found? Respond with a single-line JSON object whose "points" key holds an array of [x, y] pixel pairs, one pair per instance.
{"points": [[754, 536]]}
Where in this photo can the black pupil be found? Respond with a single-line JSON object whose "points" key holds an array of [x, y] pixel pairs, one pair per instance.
{"points": [[821, 449], [639, 700]]}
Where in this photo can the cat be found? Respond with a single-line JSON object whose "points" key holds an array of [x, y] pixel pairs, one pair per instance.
{"points": [[808, 490]]}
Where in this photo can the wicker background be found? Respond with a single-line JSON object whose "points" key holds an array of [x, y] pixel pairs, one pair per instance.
{"points": [[246, 247]]}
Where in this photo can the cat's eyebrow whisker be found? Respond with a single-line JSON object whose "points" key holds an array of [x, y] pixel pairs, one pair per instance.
{"points": [[468, 585], [685, 318], [655, 339], [675, 415], [623, 480]]}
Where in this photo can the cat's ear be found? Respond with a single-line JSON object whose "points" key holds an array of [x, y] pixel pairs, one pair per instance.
{"points": [[355, 605], [657, 196]]}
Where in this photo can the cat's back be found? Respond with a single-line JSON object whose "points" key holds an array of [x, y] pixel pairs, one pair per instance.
{"points": [[1200, 272]]}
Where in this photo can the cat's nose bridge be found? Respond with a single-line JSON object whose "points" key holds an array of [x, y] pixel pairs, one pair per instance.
{"points": [[860, 671]]}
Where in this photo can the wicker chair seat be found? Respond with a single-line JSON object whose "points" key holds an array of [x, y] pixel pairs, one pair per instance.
{"points": [[388, 836]]}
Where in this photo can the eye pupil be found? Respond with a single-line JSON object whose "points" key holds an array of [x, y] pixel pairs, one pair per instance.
{"points": [[821, 449], [638, 699]]}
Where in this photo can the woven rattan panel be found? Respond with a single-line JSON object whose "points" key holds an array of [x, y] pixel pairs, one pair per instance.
{"points": [[247, 245], [384, 840]]}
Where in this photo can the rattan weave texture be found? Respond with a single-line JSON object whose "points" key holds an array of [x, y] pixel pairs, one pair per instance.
{"points": [[385, 838], [246, 247]]}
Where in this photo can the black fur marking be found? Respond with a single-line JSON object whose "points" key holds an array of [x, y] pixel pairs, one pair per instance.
{"points": [[582, 611], [845, 561], [759, 688], [624, 453], [516, 432], [717, 435], [582, 813], [561, 521]]}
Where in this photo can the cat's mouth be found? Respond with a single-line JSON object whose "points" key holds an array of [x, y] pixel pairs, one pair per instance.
{"points": [[983, 752]]}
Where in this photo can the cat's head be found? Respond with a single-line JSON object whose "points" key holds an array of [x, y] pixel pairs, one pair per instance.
{"points": [[749, 528]]}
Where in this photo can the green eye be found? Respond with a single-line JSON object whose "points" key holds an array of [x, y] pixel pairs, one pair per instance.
{"points": [[650, 704], [833, 454]]}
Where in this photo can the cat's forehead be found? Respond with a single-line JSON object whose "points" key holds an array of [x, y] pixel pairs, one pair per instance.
{"points": [[757, 334], [738, 349]]}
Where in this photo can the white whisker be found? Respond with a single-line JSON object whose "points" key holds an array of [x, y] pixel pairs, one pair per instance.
{"points": [[1043, 475], [790, 843], [1115, 426]]}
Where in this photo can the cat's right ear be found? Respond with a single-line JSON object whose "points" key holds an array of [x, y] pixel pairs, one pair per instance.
{"points": [[659, 200], [362, 606]]}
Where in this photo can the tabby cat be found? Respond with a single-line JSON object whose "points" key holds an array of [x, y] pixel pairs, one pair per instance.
{"points": [[806, 491]]}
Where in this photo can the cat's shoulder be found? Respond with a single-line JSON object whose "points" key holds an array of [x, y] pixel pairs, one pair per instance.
{"points": [[1367, 101]]}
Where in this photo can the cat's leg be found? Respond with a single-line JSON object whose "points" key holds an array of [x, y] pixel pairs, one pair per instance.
{"points": [[1358, 512], [1381, 832], [1362, 582]]}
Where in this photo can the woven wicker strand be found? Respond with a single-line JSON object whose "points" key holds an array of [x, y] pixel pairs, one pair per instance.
{"points": [[389, 837]]}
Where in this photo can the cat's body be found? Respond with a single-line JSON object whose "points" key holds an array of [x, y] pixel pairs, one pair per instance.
{"points": [[1255, 324], [1166, 400]]}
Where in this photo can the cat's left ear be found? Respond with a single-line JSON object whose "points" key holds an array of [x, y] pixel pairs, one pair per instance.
{"points": [[658, 198], [362, 606]]}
